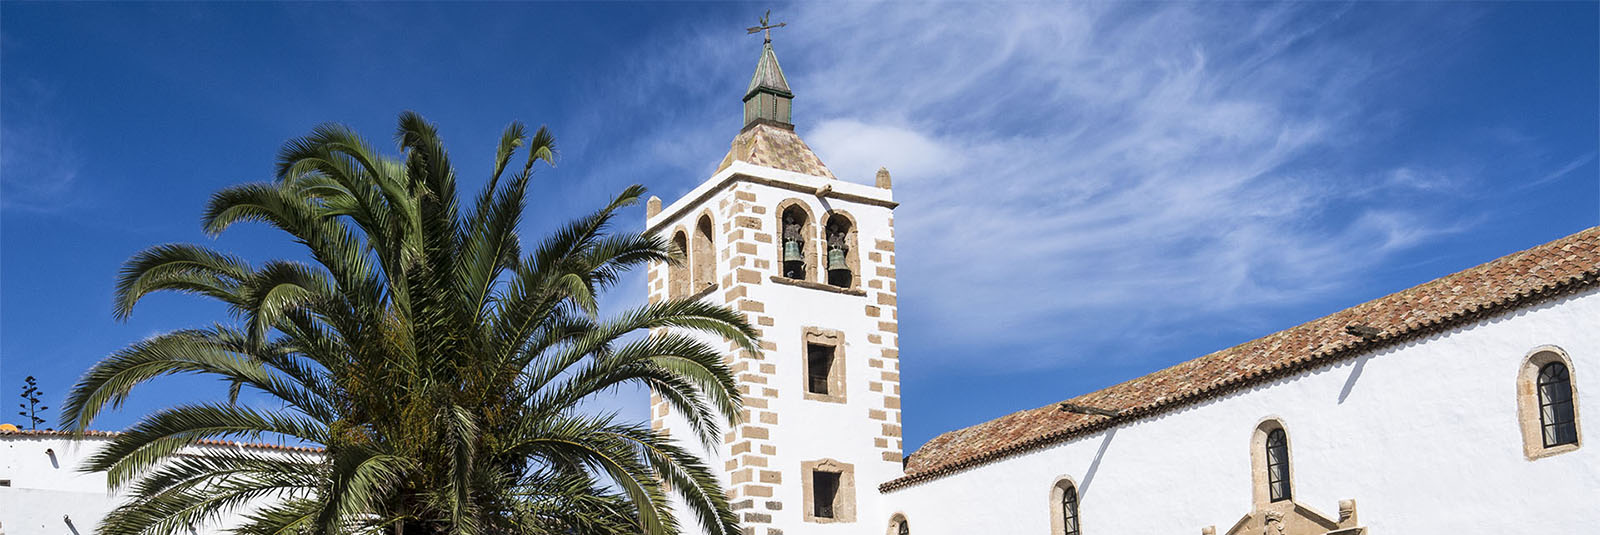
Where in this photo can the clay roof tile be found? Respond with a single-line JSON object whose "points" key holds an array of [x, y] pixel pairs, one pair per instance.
{"points": [[1519, 279]]}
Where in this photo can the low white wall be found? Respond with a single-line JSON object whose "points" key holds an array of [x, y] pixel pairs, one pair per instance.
{"points": [[1424, 436], [47, 488]]}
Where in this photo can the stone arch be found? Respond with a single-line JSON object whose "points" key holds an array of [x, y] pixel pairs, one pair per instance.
{"points": [[703, 255], [898, 525], [1529, 404], [843, 225], [807, 235], [1261, 480], [1061, 523], [678, 271]]}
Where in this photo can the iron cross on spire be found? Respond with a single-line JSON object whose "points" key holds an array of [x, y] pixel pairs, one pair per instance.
{"points": [[764, 27]]}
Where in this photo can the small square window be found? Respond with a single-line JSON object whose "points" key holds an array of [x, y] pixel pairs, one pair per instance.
{"points": [[822, 361], [825, 489], [829, 491]]}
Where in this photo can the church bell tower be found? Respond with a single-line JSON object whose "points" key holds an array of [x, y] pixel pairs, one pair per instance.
{"points": [[809, 259]]}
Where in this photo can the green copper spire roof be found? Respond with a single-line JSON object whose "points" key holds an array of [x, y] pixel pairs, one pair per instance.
{"points": [[769, 76]]}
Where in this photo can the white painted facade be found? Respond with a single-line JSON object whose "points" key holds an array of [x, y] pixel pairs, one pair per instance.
{"points": [[43, 491], [863, 430], [1424, 436]]}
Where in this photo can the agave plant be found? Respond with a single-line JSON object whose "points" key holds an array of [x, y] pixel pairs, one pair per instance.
{"points": [[437, 365]]}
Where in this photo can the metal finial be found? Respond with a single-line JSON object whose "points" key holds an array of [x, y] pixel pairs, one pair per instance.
{"points": [[763, 26]]}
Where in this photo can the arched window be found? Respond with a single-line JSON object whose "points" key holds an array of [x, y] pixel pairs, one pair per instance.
{"points": [[703, 256], [1278, 465], [678, 273], [898, 525], [841, 261], [1271, 468], [1547, 404], [795, 235], [1064, 519], [1557, 421], [1069, 511]]}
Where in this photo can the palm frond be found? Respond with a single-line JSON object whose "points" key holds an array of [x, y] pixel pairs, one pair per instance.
{"points": [[442, 368]]}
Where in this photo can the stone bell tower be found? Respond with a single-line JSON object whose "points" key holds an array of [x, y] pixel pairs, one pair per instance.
{"points": [[810, 260]]}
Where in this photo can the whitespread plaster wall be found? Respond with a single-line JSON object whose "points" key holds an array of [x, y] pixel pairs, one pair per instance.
{"points": [[47, 494], [762, 461]]}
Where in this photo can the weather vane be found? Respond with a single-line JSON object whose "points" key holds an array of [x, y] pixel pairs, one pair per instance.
{"points": [[764, 27]]}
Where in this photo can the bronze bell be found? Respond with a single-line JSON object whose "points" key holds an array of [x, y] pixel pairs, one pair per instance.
{"points": [[836, 259], [791, 251]]}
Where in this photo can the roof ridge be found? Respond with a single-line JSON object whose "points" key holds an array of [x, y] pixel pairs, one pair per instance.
{"points": [[202, 442], [1558, 267], [1325, 317]]}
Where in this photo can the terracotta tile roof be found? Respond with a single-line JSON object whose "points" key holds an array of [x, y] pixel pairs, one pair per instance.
{"points": [[776, 147], [113, 434], [1557, 268]]}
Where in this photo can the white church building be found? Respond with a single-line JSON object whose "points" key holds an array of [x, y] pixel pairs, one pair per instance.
{"points": [[1452, 407]]}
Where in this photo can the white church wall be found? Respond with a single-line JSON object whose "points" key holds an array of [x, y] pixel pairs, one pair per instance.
{"points": [[46, 489], [863, 430], [48, 494], [811, 430], [1424, 436], [683, 215]]}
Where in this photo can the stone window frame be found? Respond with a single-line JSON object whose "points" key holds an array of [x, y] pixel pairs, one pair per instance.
{"points": [[844, 501], [895, 521], [1058, 522], [703, 253], [836, 371], [1261, 494], [678, 272], [808, 232], [852, 256], [1531, 424]]}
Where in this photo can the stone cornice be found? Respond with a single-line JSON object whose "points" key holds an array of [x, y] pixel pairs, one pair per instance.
{"points": [[668, 217]]}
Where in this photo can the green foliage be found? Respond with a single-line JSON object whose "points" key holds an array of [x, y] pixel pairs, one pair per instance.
{"points": [[438, 364]]}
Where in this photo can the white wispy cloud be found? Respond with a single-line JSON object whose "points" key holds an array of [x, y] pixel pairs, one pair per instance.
{"points": [[1081, 172], [1563, 171], [39, 162]]}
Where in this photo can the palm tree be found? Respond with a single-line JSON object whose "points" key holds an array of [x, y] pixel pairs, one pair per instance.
{"points": [[439, 368]]}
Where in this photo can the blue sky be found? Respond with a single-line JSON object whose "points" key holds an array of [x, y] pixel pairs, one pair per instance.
{"points": [[1090, 192]]}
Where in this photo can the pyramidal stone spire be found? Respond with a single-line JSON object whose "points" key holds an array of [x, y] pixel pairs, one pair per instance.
{"points": [[767, 100], [768, 138]]}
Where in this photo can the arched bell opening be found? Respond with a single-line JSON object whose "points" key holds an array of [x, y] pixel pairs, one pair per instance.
{"points": [[795, 235], [703, 255], [840, 261], [678, 271]]}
